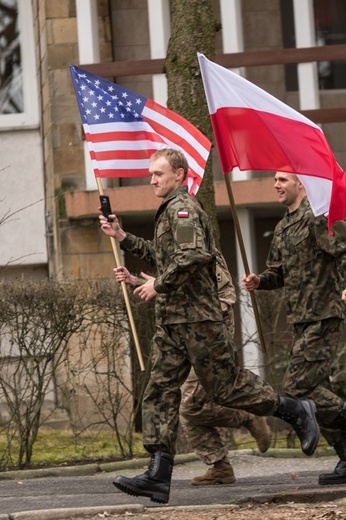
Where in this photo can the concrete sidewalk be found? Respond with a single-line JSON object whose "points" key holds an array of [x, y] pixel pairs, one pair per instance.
{"points": [[81, 491]]}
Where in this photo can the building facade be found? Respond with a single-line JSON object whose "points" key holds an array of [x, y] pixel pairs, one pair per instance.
{"points": [[49, 197]]}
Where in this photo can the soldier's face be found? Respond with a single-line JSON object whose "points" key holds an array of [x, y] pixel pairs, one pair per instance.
{"points": [[163, 179], [287, 187]]}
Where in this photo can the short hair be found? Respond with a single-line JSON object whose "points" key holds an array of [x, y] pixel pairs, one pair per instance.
{"points": [[175, 158], [289, 173]]}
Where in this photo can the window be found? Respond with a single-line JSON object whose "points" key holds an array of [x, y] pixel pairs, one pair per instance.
{"points": [[330, 29], [330, 25], [18, 88], [11, 82]]}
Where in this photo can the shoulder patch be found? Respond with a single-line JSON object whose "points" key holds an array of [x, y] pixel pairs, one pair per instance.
{"points": [[183, 213]]}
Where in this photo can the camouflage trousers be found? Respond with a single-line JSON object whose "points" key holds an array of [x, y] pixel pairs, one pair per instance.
{"points": [[208, 348], [204, 422], [314, 351]]}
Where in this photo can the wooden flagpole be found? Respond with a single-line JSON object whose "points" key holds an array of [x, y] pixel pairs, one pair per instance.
{"points": [[125, 293], [245, 262]]}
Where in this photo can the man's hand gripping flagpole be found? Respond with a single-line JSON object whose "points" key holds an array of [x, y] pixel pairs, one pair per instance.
{"points": [[125, 293], [245, 263]]}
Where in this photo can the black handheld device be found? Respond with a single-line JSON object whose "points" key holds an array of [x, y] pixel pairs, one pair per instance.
{"points": [[106, 207]]}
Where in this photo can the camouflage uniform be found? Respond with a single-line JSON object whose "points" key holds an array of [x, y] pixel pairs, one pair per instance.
{"points": [[200, 417], [305, 259], [189, 324]]}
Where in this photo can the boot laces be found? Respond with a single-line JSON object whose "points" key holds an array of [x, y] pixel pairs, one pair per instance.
{"points": [[151, 466]]}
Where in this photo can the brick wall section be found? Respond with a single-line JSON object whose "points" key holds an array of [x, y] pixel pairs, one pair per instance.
{"points": [[57, 48], [64, 120], [262, 31], [131, 40]]}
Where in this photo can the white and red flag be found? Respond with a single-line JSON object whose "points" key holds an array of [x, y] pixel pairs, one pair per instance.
{"points": [[123, 129], [255, 131]]}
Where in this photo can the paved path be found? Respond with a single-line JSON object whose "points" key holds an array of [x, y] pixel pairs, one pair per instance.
{"points": [[259, 479]]}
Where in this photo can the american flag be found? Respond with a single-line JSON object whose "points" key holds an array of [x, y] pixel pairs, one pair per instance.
{"points": [[123, 129]]}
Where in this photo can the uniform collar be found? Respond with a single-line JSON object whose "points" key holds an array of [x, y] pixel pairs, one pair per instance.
{"points": [[177, 191], [297, 214]]}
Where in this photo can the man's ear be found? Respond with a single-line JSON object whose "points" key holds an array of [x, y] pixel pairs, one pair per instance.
{"points": [[300, 186], [180, 172]]}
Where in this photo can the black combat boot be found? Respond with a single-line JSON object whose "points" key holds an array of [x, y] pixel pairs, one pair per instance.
{"points": [[154, 483], [300, 414], [339, 474]]}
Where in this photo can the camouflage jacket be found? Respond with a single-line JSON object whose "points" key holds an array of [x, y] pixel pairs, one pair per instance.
{"points": [[225, 287], [306, 260], [184, 255]]}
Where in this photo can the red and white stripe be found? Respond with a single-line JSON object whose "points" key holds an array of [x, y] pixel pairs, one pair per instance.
{"points": [[256, 131], [123, 149]]}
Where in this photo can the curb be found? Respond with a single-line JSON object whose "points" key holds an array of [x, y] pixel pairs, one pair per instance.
{"points": [[72, 512], [87, 469], [109, 467], [288, 453], [133, 509]]}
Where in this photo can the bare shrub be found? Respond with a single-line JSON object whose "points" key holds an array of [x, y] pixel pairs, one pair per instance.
{"points": [[98, 386], [37, 321], [69, 343]]}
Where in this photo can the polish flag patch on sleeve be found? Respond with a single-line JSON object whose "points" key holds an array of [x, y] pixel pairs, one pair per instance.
{"points": [[183, 213]]}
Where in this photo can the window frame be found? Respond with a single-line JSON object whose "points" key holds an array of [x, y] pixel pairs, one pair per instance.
{"points": [[29, 118], [287, 8]]}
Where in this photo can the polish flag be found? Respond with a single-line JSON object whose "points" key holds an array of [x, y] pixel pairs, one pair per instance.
{"points": [[255, 131]]}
